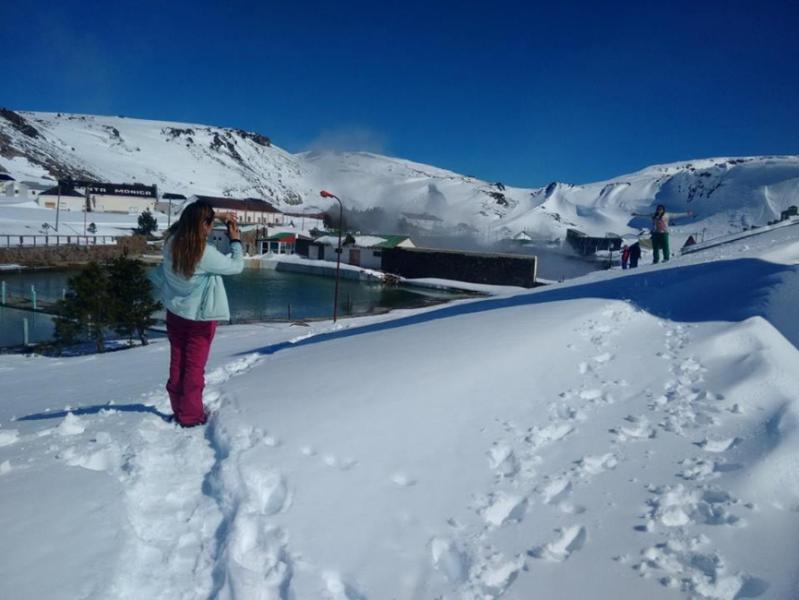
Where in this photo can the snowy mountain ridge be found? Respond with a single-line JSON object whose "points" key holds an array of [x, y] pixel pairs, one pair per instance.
{"points": [[727, 194]]}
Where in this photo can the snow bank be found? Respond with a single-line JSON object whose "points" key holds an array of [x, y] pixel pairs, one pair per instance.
{"points": [[625, 435]]}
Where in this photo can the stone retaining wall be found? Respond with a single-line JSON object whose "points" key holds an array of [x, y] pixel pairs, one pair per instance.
{"points": [[56, 256]]}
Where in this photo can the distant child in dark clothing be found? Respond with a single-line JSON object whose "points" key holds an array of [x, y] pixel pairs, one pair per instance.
{"points": [[635, 255]]}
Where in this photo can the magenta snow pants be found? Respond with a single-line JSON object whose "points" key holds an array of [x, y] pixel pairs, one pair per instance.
{"points": [[189, 342]]}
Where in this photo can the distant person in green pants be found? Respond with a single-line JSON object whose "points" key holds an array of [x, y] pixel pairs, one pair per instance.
{"points": [[660, 231]]}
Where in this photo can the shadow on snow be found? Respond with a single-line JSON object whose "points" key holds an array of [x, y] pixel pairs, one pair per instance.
{"points": [[93, 410]]}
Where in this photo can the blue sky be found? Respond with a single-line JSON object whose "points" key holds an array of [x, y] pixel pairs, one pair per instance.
{"points": [[519, 92]]}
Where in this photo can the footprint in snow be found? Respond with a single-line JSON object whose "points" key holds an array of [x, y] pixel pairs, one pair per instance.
{"points": [[636, 428], [593, 465], [682, 563], [449, 558], [335, 588], [698, 469], [539, 436], [568, 541], [345, 464], [678, 506], [603, 358], [267, 493], [502, 459], [402, 480], [717, 445], [504, 508], [105, 458], [225, 372], [556, 490], [8, 437], [496, 574], [71, 425]]}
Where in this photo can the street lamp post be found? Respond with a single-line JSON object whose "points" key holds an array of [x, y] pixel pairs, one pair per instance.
{"points": [[326, 194]]}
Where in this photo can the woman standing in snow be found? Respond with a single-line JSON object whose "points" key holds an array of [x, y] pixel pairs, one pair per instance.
{"points": [[660, 231], [191, 289]]}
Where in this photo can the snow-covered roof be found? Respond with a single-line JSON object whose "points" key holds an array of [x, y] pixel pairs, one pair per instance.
{"points": [[421, 217], [247, 204], [65, 191], [365, 241]]}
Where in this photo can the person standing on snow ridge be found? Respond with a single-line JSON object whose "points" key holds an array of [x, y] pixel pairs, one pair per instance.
{"points": [[660, 231], [625, 256], [191, 289]]}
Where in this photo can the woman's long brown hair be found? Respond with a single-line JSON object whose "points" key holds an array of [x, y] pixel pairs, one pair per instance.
{"points": [[188, 237]]}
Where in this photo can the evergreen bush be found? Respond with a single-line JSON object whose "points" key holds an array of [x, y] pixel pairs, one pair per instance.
{"points": [[117, 296], [130, 293], [85, 309], [147, 223]]}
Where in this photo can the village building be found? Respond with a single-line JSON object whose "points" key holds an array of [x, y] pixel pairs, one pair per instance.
{"points": [[71, 199], [305, 221], [21, 190], [250, 236], [170, 201], [359, 250], [791, 211], [122, 197], [128, 198], [247, 210], [6, 183], [424, 221], [285, 242], [587, 245]]}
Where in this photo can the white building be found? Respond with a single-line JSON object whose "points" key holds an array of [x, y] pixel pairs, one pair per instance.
{"points": [[359, 250], [424, 221], [305, 221], [21, 190], [102, 197], [71, 199]]}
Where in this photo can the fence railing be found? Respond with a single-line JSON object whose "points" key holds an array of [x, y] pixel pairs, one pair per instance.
{"points": [[44, 241]]}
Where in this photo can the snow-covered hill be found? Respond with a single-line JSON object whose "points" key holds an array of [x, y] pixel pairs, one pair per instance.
{"points": [[626, 435], [727, 194]]}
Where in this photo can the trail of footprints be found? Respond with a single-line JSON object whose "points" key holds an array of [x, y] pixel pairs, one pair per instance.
{"points": [[220, 542], [198, 519], [681, 559], [469, 559], [678, 559]]}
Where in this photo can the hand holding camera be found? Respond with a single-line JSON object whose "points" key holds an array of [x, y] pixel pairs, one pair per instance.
{"points": [[229, 219]]}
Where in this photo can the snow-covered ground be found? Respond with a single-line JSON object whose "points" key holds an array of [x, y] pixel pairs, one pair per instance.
{"points": [[27, 218], [625, 435]]}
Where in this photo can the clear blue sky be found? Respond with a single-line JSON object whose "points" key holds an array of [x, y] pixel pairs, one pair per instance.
{"points": [[519, 92]]}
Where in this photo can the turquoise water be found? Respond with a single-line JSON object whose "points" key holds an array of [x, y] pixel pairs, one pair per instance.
{"points": [[254, 295]]}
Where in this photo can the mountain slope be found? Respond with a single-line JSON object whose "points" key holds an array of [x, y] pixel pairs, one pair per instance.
{"points": [[727, 194]]}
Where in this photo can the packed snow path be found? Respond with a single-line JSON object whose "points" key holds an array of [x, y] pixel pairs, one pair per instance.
{"points": [[617, 438]]}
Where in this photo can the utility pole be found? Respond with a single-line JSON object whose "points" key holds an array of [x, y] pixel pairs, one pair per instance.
{"points": [[58, 206]]}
